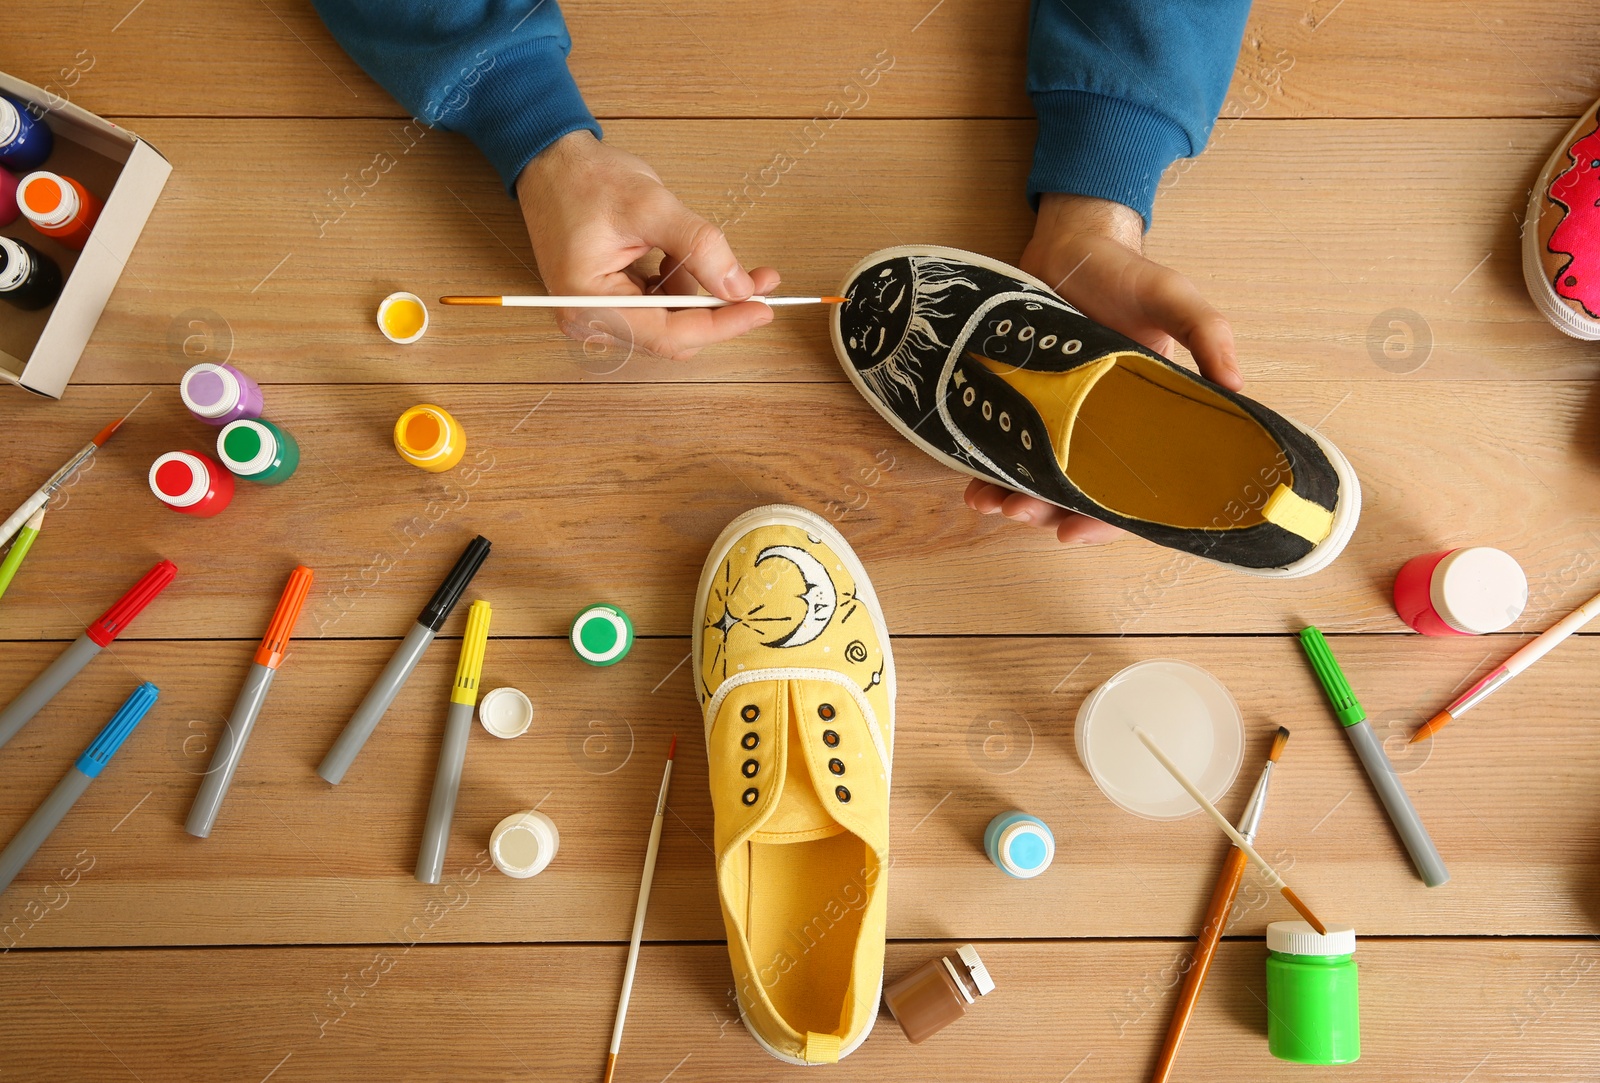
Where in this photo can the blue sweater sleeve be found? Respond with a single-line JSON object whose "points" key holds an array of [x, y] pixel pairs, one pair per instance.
{"points": [[1123, 88], [493, 70]]}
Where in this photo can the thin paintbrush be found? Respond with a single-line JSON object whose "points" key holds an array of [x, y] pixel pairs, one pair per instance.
{"points": [[42, 495], [634, 300], [1217, 914], [1228, 829]]}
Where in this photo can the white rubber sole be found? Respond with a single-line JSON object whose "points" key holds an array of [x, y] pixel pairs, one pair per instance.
{"points": [[1345, 514], [844, 1051], [1551, 305]]}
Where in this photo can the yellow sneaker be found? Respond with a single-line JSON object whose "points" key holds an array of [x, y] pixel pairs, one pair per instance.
{"points": [[796, 681]]}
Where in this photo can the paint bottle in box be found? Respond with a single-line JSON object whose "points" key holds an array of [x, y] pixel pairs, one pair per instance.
{"points": [[428, 437], [29, 279], [191, 482], [220, 394], [258, 451], [25, 141], [58, 207], [9, 211]]}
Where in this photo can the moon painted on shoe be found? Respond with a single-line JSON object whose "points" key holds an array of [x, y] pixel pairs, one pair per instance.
{"points": [[820, 597]]}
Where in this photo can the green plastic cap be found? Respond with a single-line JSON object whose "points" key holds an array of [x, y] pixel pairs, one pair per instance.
{"points": [[1346, 708], [602, 635]]}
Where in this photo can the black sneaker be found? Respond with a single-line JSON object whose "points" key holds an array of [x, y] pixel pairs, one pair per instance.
{"points": [[986, 369]]}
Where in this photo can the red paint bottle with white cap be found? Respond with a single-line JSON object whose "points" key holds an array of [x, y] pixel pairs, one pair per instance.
{"points": [[191, 482], [1461, 592], [58, 207]]}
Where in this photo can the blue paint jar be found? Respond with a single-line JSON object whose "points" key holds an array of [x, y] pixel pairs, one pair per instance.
{"points": [[1020, 845], [25, 141]]}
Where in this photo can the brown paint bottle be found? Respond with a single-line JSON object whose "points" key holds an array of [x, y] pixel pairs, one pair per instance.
{"points": [[937, 993]]}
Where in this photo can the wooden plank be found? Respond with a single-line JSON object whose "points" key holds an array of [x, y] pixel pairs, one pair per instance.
{"points": [[1517, 1010], [959, 58], [618, 491], [983, 726], [1277, 225]]}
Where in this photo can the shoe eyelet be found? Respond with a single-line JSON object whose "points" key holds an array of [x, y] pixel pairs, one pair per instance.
{"points": [[751, 796], [1047, 342], [968, 397], [749, 712], [826, 712], [1025, 334], [836, 765], [1027, 441], [1003, 327], [830, 738], [840, 792], [1005, 421], [750, 740], [1072, 345], [750, 768], [988, 410]]}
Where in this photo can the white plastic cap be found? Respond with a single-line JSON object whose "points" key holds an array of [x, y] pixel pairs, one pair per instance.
{"points": [[1299, 938], [1026, 849], [67, 202], [266, 450], [399, 298], [231, 391], [506, 712], [17, 263], [524, 843], [199, 479], [1479, 590], [10, 122], [976, 970]]}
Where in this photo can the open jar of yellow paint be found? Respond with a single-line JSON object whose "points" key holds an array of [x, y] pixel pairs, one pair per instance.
{"points": [[428, 437], [403, 318]]}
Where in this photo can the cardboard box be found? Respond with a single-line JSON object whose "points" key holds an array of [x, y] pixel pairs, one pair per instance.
{"points": [[39, 350]]}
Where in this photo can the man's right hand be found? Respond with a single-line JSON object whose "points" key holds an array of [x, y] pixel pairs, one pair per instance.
{"points": [[594, 211]]}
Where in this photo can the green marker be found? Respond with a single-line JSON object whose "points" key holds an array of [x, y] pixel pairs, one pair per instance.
{"points": [[1347, 709], [258, 451], [19, 549], [602, 635]]}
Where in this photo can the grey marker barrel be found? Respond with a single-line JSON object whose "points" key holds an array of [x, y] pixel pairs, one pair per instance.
{"points": [[446, 784], [230, 750], [27, 841], [1418, 843], [370, 713], [31, 700]]}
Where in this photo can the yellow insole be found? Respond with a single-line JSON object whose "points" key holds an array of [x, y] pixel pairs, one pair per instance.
{"points": [[1148, 447], [794, 887]]}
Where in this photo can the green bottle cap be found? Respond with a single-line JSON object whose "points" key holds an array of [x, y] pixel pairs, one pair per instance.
{"points": [[1346, 708], [602, 635]]}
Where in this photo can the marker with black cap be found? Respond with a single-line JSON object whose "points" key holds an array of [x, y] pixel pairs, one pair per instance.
{"points": [[406, 656]]}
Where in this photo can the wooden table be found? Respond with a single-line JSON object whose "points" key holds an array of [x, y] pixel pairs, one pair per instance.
{"points": [[1357, 216]]}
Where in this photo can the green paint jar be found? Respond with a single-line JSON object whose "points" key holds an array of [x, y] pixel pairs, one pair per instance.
{"points": [[1313, 1014], [257, 450]]}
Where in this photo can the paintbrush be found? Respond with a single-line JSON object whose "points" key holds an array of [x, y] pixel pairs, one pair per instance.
{"points": [[42, 495], [634, 300], [1273, 879], [1217, 914]]}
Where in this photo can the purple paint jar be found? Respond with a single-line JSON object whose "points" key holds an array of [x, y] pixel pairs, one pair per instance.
{"points": [[219, 394]]}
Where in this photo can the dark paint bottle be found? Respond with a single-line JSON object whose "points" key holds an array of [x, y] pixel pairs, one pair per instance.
{"points": [[29, 279]]}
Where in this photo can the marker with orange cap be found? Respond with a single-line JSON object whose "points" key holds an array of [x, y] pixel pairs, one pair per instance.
{"points": [[58, 207], [230, 746], [31, 700]]}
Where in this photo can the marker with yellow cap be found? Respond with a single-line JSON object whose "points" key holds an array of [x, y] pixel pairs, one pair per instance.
{"points": [[453, 752]]}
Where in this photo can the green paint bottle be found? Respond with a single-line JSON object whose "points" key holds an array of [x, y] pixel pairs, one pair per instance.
{"points": [[257, 450], [1313, 1015]]}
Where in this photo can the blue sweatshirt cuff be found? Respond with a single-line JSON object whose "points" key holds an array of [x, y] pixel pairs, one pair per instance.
{"points": [[522, 102], [1092, 145]]}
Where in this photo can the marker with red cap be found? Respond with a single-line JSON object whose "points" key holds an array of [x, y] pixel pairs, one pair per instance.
{"points": [[191, 482], [111, 624], [58, 207]]}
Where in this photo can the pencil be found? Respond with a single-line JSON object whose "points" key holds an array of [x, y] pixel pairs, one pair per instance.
{"points": [[1273, 879], [19, 549], [638, 912], [1527, 656], [1217, 915], [633, 300]]}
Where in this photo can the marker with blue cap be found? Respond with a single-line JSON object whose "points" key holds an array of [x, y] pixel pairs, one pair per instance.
{"points": [[1020, 845], [87, 768]]}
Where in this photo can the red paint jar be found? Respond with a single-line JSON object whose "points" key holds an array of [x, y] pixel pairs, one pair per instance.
{"points": [[1461, 592], [192, 483]]}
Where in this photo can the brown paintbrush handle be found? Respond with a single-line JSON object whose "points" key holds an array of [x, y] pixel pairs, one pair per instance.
{"points": [[1204, 951]]}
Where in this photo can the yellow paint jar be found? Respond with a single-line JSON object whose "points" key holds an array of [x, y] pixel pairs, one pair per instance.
{"points": [[427, 437], [403, 318]]}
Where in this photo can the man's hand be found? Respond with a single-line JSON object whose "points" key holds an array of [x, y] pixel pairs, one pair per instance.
{"points": [[1089, 251], [594, 211]]}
